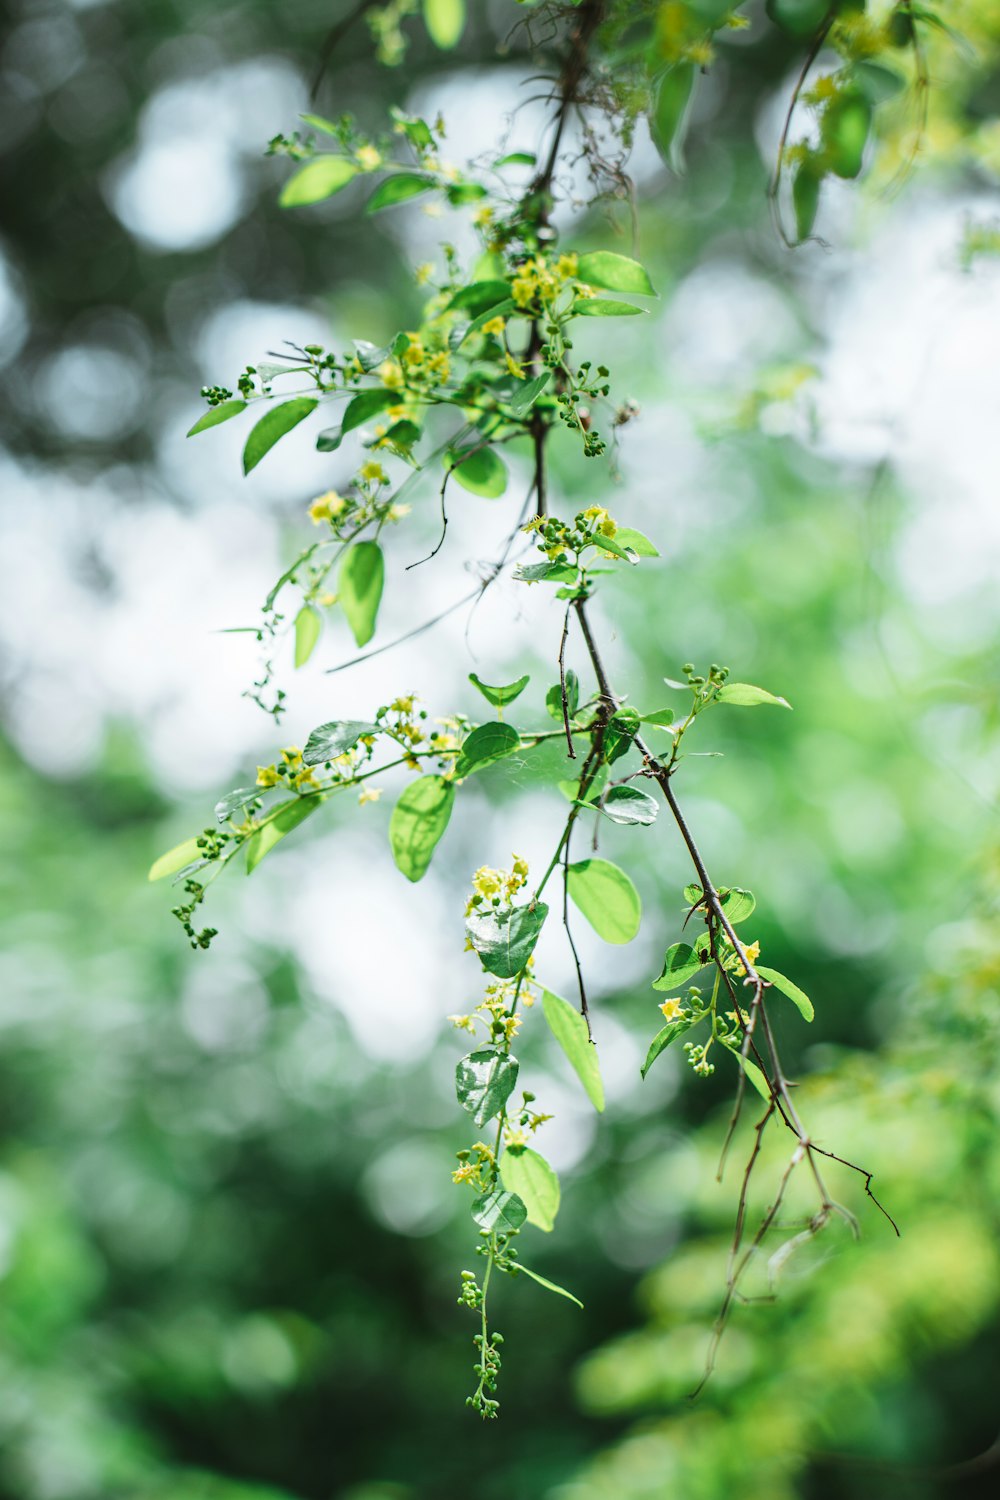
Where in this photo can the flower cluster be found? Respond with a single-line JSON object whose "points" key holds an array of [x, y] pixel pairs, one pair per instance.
{"points": [[558, 539], [497, 887]]}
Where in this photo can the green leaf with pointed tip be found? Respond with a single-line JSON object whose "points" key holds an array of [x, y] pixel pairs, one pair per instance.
{"points": [[398, 188], [692, 894], [308, 624], [604, 307], [445, 22], [756, 1077], [545, 573], [479, 470], [615, 273], [273, 426], [479, 296], [663, 718], [736, 903], [486, 744], [806, 186], [622, 728], [527, 1173], [517, 159], [418, 822], [570, 1030], [288, 816], [319, 123], [217, 414], [498, 310], [550, 1286], [505, 940], [526, 395], [365, 405], [318, 179], [233, 802], [745, 695], [680, 964], [553, 698], [571, 789], [328, 741], [844, 128], [175, 859], [499, 1212], [611, 544], [798, 997], [484, 1081], [500, 696], [671, 112], [629, 806], [662, 1040], [359, 588], [606, 897], [635, 541]]}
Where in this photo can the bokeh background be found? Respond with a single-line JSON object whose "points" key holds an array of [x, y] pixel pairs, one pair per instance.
{"points": [[229, 1245]]}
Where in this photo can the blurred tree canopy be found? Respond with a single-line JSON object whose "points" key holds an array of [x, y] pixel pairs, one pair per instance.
{"points": [[209, 1290]]}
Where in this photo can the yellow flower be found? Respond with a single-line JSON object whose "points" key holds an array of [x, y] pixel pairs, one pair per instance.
{"points": [[439, 365], [325, 507], [514, 367], [608, 527], [672, 1010], [495, 325], [403, 705], [423, 273], [523, 289], [482, 218], [413, 354], [374, 473], [516, 1138], [462, 1174], [306, 779], [267, 776], [395, 412], [463, 1023], [368, 158], [566, 266], [397, 512], [390, 374], [369, 794], [752, 951], [326, 600], [520, 867], [487, 882]]}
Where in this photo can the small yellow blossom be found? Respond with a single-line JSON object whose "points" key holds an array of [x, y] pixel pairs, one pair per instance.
{"points": [[523, 289], [306, 780], [513, 366], [390, 373], [403, 705], [608, 527], [495, 325], [267, 776], [566, 266], [413, 354], [326, 600], [396, 412], [423, 273], [483, 217], [752, 951], [325, 507], [439, 365], [373, 473], [368, 158], [672, 1010], [464, 1023], [397, 512], [369, 794], [516, 1138], [463, 1173], [292, 757]]}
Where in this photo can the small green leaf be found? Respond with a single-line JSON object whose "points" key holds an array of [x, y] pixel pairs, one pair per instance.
{"points": [[526, 395], [608, 544], [499, 1212], [553, 698], [308, 624], [318, 122], [486, 744], [615, 273], [604, 307], [622, 728], [365, 405], [288, 816], [879, 84], [317, 180], [233, 801], [217, 414], [635, 541], [445, 22], [461, 193], [500, 696], [418, 822], [359, 588], [370, 356], [505, 940], [799, 17], [517, 159], [844, 129], [756, 1077], [662, 1040], [745, 695], [397, 189], [479, 470], [330, 740], [570, 1031], [175, 859], [737, 904], [606, 897], [693, 895], [798, 997], [671, 112], [484, 1081], [629, 806], [273, 426], [527, 1173], [680, 964], [571, 789], [663, 718], [545, 573], [479, 296], [806, 186], [498, 310], [550, 1286]]}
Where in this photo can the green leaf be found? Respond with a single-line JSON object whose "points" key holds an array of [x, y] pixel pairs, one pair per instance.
{"points": [[217, 414], [550, 1286], [798, 997], [308, 624], [736, 903], [745, 695], [486, 744], [603, 307], [526, 395], [663, 718], [479, 296], [233, 801], [629, 806], [517, 159], [844, 129], [418, 822], [445, 22], [175, 859], [553, 698], [498, 310], [545, 573], [397, 189], [607, 898], [609, 544], [272, 426], [799, 17], [288, 816], [879, 84], [317, 122], [359, 588], [526, 1173], [479, 470], [622, 728], [500, 696], [662, 1040], [328, 741], [616, 273], [756, 1077], [484, 1081], [570, 1031], [370, 356], [671, 112], [571, 789], [680, 964], [499, 1212], [317, 180], [627, 536], [505, 940], [806, 186], [693, 894], [460, 193], [367, 404]]}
